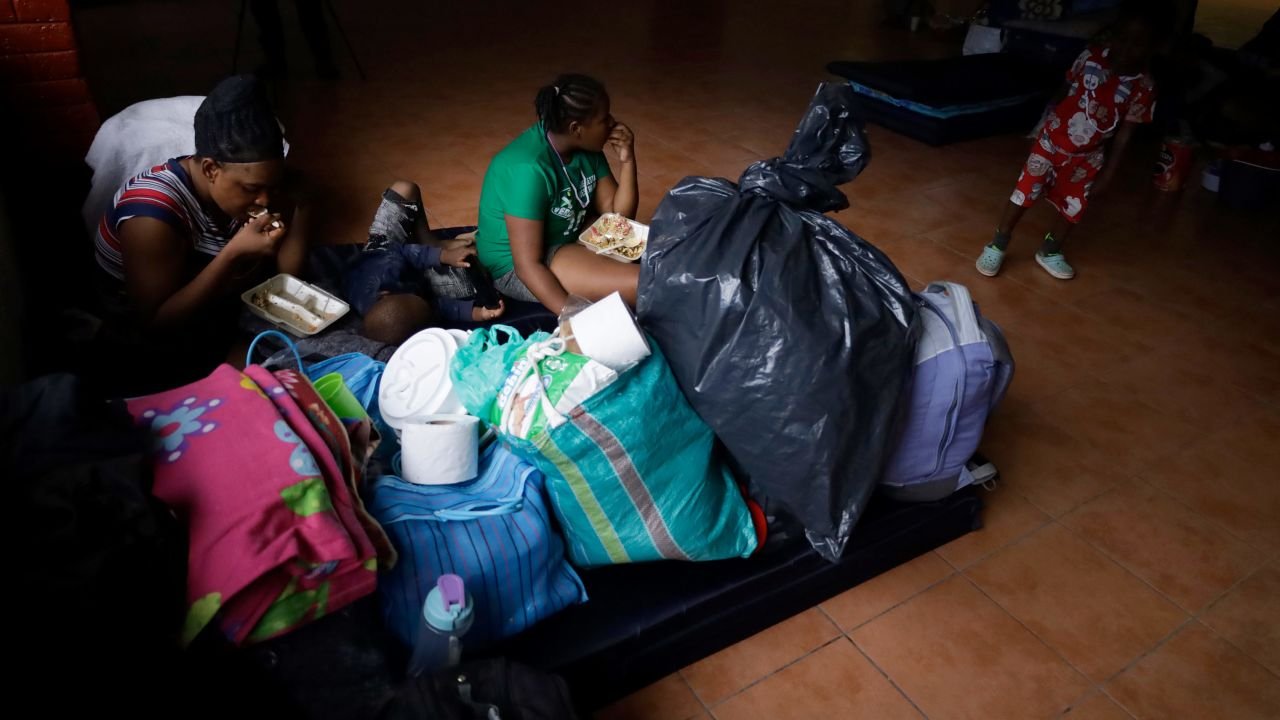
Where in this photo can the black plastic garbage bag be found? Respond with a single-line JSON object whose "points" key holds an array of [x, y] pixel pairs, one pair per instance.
{"points": [[792, 337]]}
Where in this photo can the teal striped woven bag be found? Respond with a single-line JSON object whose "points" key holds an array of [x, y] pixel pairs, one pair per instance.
{"points": [[632, 474]]}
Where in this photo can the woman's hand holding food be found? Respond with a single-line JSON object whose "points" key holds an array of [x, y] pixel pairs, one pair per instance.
{"points": [[258, 238]]}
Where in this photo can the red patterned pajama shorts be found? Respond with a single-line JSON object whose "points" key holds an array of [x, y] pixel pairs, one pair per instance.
{"points": [[1064, 179]]}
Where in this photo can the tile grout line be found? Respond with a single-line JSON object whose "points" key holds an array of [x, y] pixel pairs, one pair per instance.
{"points": [[1240, 650], [1012, 541], [1115, 702], [1079, 505], [1033, 633], [1095, 690], [1213, 603], [757, 681], [1212, 521], [1216, 598], [893, 683], [1150, 651], [1222, 597], [694, 693], [1102, 687], [1115, 561], [1193, 616], [823, 611], [950, 574]]}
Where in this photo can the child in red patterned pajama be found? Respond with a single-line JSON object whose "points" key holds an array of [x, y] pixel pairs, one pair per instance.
{"points": [[1109, 92]]}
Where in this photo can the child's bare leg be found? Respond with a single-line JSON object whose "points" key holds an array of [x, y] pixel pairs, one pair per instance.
{"points": [[1050, 256], [992, 257], [1013, 213], [412, 193], [1057, 235]]}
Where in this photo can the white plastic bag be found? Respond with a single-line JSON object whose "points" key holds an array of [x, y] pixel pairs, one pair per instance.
{"points": [[983, 40], [545, 385]]}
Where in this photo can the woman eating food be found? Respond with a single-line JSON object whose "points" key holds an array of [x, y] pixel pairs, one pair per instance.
{"points": [[540, 190], [179, 236], [181, 240]]}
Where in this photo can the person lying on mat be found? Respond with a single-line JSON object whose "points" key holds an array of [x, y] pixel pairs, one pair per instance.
{"points": [[389, 286], [188, 234], [1110, 91], [540, 189]]}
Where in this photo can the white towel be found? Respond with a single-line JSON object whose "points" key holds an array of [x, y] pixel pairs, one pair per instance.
{"points": [[141, 136]]}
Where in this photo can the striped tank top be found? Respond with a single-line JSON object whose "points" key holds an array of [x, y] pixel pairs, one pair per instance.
{"points": [[165, 193]]}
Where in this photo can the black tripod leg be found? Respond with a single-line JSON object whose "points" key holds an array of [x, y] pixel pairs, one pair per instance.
{"points": [[337, 22], [235, 54]]}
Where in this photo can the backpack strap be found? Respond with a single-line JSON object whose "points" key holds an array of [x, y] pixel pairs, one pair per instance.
{"points": [[956, 367]]}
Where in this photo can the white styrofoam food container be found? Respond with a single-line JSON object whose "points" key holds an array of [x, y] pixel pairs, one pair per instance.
{"points": [[297, 306], [640, 229]]}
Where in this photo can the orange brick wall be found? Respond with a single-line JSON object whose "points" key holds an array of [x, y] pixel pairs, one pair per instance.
{"points": [[41, 85]]}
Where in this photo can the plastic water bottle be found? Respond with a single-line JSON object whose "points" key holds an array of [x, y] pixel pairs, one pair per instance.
{"points": [[447, 614]]}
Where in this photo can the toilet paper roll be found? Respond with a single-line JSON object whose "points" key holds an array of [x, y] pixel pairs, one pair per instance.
{"points": [[608, 334], [440, 449]]}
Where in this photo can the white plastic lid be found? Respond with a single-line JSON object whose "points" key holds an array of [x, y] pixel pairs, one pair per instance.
{"points": [[416, 380]]}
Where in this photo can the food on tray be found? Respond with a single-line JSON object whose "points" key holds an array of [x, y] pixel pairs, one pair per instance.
{"points": [[612, 231], [630, 252], [619, 229], [257, 212], [615, 235], [286, 309]]}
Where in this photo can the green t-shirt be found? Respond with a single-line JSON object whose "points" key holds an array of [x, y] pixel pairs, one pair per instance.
{"points": [[526, 180]]}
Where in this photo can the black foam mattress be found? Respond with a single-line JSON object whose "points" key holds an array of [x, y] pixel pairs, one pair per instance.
{"points": [[952, 99], [646, 621], [642, 623]]}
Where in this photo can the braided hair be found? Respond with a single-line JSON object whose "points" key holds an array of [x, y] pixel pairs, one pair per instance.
{"points": [[234, 123], [570, 98]]}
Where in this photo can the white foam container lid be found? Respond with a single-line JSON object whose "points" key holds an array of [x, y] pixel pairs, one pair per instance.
{"points": [[416, 380]]}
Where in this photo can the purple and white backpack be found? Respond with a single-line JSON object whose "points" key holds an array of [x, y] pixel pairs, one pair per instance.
{"points": [[962, 368]]}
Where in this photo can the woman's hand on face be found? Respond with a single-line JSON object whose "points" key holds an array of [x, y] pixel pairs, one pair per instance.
{"points": [[260, 237], [623, 142]]}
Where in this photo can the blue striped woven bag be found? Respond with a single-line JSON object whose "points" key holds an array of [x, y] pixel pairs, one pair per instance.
{"points": [[495, 532]]}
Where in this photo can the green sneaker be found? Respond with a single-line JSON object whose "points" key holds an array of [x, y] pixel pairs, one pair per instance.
{"points": [[1056, 265], [990, 260]]}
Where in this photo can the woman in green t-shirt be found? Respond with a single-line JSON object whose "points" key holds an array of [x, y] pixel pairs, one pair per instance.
{"points": [[540, 189]]}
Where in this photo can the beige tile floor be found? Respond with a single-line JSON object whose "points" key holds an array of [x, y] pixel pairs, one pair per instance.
{"points": [[1128, 567]]}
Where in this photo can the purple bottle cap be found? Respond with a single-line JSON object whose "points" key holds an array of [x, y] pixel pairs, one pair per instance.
{"points": [[453, 592]]}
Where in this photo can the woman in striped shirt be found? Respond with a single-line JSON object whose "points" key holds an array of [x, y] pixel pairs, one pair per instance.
{"points": [[182, 238]]}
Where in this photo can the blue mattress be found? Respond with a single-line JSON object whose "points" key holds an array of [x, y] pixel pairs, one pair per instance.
{"points": [[952, 99], [948, 111]]}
